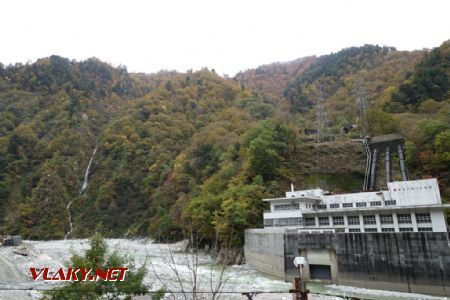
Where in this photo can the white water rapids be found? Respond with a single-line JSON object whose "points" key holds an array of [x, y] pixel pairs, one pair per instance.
{"points": [[83, 188], [163, 269]]}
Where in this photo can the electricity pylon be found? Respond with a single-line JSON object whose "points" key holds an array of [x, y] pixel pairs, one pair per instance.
{"points": [[321, 116], [359, 92]]}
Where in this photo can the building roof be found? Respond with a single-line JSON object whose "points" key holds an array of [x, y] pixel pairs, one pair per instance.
{"points": [[389, 140], [293, 198], [386, 138]]}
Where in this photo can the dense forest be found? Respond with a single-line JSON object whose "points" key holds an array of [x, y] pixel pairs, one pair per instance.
{"points": [[182, 153]]}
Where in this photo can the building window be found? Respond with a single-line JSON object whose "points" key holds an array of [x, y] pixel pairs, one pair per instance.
{"points": [[347, 204], [425, 229], [339, 230], [354, 230], [334, 205], [294, 221], [279, 222], [390, 202], [386, 219], [368, 220], [338, 220], [324, 221], [310, 222], [387, 230], [375, 203], [268, 222], [404, 219], [361, 204], [370, 230], [423, 218], [353, 220], [321, 206], [407, 229], [292, 206], [288, 221]]}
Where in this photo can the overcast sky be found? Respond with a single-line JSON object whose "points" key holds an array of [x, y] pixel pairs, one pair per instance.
{"points": [[227, 35]]}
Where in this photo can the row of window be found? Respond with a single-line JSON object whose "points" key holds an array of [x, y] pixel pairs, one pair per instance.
{"points": [[311, 221], [371, 230], [420, 218], [370, 220], [425, 229], [390, 202], [352, 220], [291, 206], [283, 222], [375, 230], [358, 204], [423, 218], [389, 229]]}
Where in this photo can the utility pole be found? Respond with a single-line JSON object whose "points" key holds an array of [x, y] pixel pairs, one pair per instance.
{"points": [[359, 92], [299, 291], [321, 116]]}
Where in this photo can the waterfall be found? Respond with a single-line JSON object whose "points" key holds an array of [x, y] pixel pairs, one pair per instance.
{"points": [[86, 174], [70, 220], [83, 188]]}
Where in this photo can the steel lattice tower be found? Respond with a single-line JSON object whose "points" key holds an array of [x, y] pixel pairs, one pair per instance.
{"points": [[321, 116], [359, 92]]}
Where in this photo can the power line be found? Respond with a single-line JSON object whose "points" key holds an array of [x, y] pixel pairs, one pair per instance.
{"points": [[245, 293]]}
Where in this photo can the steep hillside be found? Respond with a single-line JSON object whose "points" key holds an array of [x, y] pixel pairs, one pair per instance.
{"points": [[406, 92], [51, 113], [428, 81], [271, 81], [181, 153]]}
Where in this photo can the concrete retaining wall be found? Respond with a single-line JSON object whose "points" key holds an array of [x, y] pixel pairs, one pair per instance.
{"points": [[409, 262], [264, 250]]}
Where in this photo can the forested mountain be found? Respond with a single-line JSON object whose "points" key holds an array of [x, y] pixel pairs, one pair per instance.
{"points": [[194, 152], [270, 81]]}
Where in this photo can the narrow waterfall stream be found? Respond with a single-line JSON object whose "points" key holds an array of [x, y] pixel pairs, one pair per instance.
{"points": [[83, 188], [86, 174]]}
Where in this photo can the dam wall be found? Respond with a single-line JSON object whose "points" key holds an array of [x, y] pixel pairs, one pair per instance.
{"points": [[416, 262]]}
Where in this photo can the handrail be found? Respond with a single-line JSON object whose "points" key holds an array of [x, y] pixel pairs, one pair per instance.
{"points": [[368, 161]]}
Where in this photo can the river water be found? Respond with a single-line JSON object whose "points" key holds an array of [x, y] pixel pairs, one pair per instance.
{"points": [[166, 267]]}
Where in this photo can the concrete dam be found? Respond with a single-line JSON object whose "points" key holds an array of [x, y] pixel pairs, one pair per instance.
{"points": [[416, 262]]}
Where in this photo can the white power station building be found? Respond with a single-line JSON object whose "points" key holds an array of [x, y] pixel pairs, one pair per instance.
{"points": [[406, 206]]}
